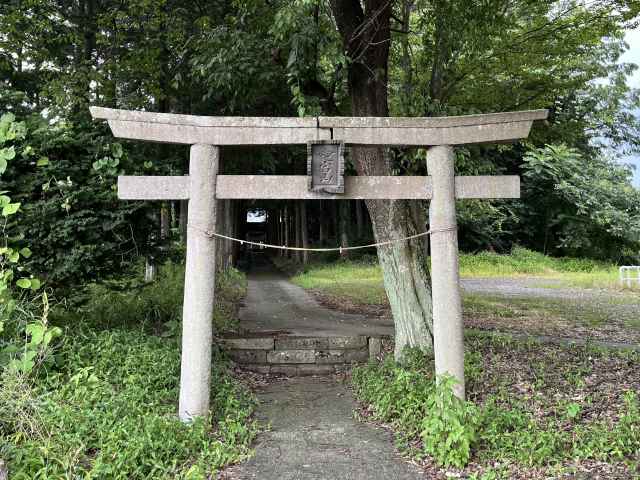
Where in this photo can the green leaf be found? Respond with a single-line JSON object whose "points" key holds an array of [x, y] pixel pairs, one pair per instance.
{"points": [[8, 153], [42, 161], [25, 252], [36, 331], [24, 283], [116, 150], [35, 284], [10, 209]]}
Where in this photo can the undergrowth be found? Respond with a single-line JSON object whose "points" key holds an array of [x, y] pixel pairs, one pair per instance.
{"points": [[105, 404], [157, 305], [548, 416]]}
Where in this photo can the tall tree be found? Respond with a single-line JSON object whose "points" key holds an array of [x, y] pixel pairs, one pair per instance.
{"points": [[366, 37]]}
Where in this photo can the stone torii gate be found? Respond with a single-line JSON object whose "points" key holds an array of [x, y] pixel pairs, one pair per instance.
{"points": [[203, 186]]}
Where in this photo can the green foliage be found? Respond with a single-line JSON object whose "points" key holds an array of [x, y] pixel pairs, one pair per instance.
{"points": [[449, 428], [506, 426], [78, 414], [522, 261], [155, 306], [25, 336], [63, 176], [588, 206], [91, 409], [410, 400]]}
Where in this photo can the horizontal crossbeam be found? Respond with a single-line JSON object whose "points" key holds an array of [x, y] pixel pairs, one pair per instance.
{"points": [[420, 131], [289, 187]]}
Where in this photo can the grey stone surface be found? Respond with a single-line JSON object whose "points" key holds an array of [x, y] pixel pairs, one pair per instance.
{"points": [[375, 348], [291, 356], [258, 368], [301, 343], [314, 436], [199, 284], [315, 369], [191, 129], [132, 187], [257, 343], [347, 342], [490, 133], [448, 328], [248, 356], [375, 187], [201, 120], [325, 166], [275, 304], [288, 370], [432, 122], [342, 356]]}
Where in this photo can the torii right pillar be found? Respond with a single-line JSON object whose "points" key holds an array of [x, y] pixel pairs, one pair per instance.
{"points": [[448, 328]]}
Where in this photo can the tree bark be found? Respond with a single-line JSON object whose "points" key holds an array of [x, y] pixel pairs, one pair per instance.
{"points": [[359, 219], [366, 38], [286, 228], [322, 224], [298, 230], [304, 231], [344, 226]]}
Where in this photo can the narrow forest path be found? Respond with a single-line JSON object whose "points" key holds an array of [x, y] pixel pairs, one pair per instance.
{"points": [[273, 303]]}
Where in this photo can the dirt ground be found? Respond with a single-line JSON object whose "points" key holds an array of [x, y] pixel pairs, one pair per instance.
{"points": [[533, 306]]}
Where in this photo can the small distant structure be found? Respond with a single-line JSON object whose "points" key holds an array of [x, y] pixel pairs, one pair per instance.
{"points": [[630, 274]]}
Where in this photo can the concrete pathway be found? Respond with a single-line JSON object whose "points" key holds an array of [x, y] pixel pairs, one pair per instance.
{"points": [[275, 304], [314, 436]]}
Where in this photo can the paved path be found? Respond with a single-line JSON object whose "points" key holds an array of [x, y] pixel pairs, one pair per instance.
{"points": [[315, 436], [273, 303]]}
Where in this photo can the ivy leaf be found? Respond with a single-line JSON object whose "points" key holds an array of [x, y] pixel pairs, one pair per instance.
{"points": [[42, 161], [25, 252], [35, 284]]}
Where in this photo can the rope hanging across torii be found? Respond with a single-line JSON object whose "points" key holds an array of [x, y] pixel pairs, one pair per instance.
{"points": [[204, 186], [211, 234]]}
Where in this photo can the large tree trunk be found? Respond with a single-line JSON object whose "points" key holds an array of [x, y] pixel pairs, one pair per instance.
{"points": [[366, 38]]}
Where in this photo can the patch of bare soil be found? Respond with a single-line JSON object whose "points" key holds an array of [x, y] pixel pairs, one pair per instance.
{"points": [[561, 318]]}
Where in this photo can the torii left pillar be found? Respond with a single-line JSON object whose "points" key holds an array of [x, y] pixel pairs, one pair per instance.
{"points": [[199, 284]]}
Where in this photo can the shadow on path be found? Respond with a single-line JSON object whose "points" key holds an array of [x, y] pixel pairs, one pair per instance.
{"points": [[273, 304]]}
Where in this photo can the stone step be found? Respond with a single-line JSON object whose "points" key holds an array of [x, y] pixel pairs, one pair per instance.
{"points": [[291, 355]]}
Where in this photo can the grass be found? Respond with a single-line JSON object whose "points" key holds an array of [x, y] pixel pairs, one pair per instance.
{"points": [[608, 315], [362, 281], [534, 411], [105, 404]]}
